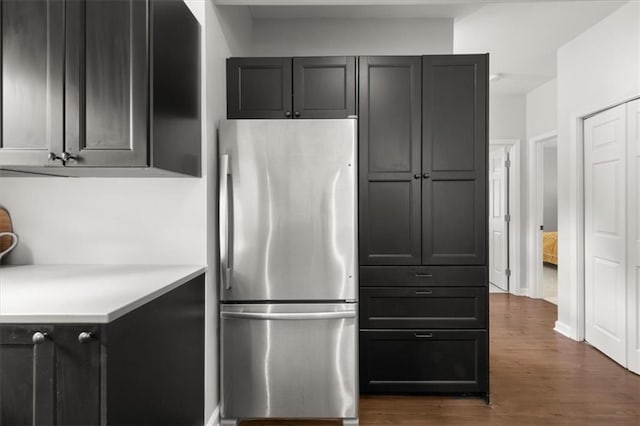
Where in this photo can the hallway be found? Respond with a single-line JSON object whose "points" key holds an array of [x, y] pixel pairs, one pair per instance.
{"points": [[538, 377]]}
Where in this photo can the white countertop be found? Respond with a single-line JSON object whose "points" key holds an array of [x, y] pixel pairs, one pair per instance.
{"points": [[84, 293]]}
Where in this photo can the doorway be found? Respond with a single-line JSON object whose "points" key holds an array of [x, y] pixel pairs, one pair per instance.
{"points": [[543, 226]]}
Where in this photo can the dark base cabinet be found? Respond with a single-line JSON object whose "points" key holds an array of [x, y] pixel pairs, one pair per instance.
{"points": [[144, 368], [423, 361]]}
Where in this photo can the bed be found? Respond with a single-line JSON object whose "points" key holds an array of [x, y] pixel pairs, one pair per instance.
{"points": [[550, 248]]}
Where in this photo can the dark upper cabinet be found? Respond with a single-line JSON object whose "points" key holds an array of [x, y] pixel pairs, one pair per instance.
{"points": [[101, 87], [389, 160], [259, 88], [454, 209], [320, 87], [106, 83], [324, 87], [32, 64]]}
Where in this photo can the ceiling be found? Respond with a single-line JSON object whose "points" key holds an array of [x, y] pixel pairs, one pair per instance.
{"points": [[522, 39], [521, 36]]}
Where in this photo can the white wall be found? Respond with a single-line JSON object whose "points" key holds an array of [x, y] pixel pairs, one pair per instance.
{"points": [[507, 117], [317, 37], [598, 68], [550, 188], [228, 33], [106, 221], [542, 109]]}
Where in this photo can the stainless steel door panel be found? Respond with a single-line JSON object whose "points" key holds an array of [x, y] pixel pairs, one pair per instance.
{"points": [[290, 204], [289, 360]]}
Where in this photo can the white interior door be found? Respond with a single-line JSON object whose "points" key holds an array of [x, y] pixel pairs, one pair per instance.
{"points": [[498, 225], [633, 222], [605, 233]]}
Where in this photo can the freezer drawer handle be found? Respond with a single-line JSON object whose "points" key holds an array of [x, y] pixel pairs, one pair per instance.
{"points": [[423, 336], [423, 292], [288, 315], [424, 275], [225, 226]]}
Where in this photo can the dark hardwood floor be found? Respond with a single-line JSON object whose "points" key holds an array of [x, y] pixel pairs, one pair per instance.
{"points": [[538, 377]]}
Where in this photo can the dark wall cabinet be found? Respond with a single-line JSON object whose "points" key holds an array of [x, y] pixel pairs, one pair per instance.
{"points": [[320, 87], [132, 371], [423, 141], [423, 224], [98, 85]]}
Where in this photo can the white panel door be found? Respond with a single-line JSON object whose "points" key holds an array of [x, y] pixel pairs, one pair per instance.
{"points": [[633, 246], [498, 226], [605, 233]]}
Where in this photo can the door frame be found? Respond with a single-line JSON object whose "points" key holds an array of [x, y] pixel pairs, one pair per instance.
{"points": [[536, 192], [515, 283]]}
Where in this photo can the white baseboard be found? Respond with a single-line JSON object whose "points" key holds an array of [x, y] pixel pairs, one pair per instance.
{"points": [[564, 329], [214, 420]]}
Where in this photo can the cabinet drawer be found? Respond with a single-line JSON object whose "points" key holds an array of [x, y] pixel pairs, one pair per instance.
{"points": [[423, 361], [458, 276], [425, 307]]}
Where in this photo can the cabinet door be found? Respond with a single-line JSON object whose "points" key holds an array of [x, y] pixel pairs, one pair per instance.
{"points": [[454, 160], [27, 395], [389, 129], [259, 88], [32, 81], [107, 68], [324, 87], [423, 361], [78, 371]]}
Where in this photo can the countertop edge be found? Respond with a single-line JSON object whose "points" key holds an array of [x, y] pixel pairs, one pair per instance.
{"points": [[114, 315], [100, 318]]}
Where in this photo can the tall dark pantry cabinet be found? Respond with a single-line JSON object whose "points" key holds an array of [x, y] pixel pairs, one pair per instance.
{"points": [[423, 224]]}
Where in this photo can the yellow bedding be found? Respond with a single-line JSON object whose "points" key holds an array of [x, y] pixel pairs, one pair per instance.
{"points": [[550, 247]]}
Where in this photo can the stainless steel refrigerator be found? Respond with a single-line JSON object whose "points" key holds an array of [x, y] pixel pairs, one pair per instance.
{"points": [[288, 269]]}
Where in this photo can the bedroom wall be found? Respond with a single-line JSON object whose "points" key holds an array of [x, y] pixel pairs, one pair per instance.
{"points": [[550, 188]]}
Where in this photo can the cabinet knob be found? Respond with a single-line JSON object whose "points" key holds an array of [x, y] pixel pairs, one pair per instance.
{"points": [[287, 114], [68, 157], [38, 337], [85, 337], [416, 176], [426, 175], [53, 156], [297, 113]]}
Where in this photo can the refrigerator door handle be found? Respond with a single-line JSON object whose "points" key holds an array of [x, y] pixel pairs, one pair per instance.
{"points": [[289, 316], [225, 226]]}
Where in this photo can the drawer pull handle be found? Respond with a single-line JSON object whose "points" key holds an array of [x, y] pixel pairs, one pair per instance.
{"points": [[423, 275], [423, 336], [423, 292]]}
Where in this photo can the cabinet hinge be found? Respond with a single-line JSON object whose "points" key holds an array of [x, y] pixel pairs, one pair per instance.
{"points": [[507, 272], [507, 218], [507, 163]]}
